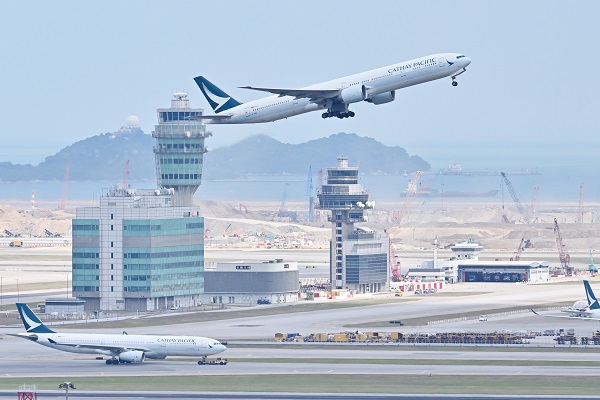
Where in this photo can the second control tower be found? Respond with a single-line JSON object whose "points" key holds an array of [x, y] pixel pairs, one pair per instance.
{"points": [[179, 149], [358, 256]]}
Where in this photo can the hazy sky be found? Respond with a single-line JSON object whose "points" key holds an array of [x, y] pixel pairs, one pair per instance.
{"points": [[72, 69]]}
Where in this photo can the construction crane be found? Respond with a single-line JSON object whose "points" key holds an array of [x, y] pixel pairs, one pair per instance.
{"points": [[565, 258], [65, 187], [282, 210], [311, 196], [580, 211], [517, 256], [394, 263], [410, 192], [515, 198], [592, 268]]}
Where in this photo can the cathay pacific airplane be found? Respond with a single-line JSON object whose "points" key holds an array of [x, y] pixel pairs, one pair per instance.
{"points": [[581, 309], [377, 86], [121, 348]]}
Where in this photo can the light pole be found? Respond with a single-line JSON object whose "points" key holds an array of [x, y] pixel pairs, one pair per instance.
{"points": [[18, 293], [66, 386]]}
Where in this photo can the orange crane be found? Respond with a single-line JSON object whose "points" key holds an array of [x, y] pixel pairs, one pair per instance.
{"points": [[565, 258]]}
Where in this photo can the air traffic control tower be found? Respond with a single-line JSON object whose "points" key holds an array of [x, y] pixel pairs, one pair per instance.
{"points": [[358, 255], [179, 149]]}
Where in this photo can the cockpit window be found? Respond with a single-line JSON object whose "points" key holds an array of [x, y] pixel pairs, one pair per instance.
{"points": [[461, 56]]}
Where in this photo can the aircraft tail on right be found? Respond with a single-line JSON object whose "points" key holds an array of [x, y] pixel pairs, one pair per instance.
{"points": [[218, 99], [591, 298]]}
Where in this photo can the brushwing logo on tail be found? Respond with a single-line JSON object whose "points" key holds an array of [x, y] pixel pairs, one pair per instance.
{"points": [[592, 301], [219, 101]]}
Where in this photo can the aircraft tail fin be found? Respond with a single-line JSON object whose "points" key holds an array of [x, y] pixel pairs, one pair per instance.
{"points": [[218, 99], [31, 322], [591, 298]]}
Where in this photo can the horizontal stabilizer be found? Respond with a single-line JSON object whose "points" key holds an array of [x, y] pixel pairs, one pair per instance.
{"points": [[216, 116]]}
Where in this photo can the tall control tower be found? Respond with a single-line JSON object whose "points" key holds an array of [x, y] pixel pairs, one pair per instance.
{"points": [[179, 149], [358, 255]]}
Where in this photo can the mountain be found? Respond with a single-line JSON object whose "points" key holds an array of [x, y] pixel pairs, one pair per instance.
{"points": [[103, 157], [100, 157], [263, 155]]}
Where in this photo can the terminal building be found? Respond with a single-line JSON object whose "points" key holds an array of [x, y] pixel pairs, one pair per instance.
{"points": [[358, 255], [249, 283], [143, 249]]}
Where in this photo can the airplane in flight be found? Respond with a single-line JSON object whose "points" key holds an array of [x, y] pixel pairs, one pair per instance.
{"points": [[377, 86], [581, 309], [121, 348]]}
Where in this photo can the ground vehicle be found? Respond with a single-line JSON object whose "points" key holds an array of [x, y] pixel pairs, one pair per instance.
{"points": [[483, 318], [418, 291], [16, 243], [263, 301], [217, 361]]}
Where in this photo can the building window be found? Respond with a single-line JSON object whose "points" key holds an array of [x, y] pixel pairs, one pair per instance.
{"points": [[112, 244], [112, 277], [112, 266], [112, 216], [112, 255], [112, 288], [112, 227]]}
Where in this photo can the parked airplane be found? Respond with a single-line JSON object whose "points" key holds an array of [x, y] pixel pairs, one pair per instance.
{"points": [[121, 348], [377, 86], [581, 309]]}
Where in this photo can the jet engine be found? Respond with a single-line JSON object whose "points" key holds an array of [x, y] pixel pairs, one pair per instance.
{"points": [[353, 94], [133, 356], [382, 98]]}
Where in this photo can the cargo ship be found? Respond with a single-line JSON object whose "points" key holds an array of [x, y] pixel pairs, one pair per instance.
{"points": [[449, 193]]}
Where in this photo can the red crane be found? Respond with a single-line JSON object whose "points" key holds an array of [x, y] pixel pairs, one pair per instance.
{"points": [[517, 256], [565, 258]]}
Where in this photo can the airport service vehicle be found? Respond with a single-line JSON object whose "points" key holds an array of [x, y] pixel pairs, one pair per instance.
{"points": [[121, 348], [16, 243], [377, 86], [581, 309]]}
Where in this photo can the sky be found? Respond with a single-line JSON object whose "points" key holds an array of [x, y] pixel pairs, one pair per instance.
{"points": [[530, 97]]}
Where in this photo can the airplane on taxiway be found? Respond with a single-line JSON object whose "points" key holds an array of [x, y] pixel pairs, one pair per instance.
{"points": [[581, 309], [121, 348], [377, 86]]}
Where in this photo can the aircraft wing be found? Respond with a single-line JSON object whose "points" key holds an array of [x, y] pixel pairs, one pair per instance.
{"points": [[312, 94], [565, 316], [114, 349], [216, 116]]}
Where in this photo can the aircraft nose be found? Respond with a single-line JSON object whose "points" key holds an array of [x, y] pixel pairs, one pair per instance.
{"points": [[466, 61]]}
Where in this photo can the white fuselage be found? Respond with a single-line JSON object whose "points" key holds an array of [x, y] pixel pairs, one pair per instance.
{"points": [[378, 81], [155, 346]]}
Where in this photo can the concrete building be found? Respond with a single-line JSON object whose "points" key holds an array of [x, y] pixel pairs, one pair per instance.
{"points": [[143, 249], [358, 256], [248, 283]]}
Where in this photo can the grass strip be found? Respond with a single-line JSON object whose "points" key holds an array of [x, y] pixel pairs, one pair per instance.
{"points": [[332, 383]]}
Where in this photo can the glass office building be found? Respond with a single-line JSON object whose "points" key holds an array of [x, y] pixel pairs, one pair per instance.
{"points": [[143, 249]]}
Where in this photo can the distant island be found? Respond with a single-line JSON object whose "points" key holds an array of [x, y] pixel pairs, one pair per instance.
{"points": [[103, 157]]}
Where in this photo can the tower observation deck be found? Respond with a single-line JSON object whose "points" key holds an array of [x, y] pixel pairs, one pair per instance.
{"points": [[358, 256], [179, 150]]}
